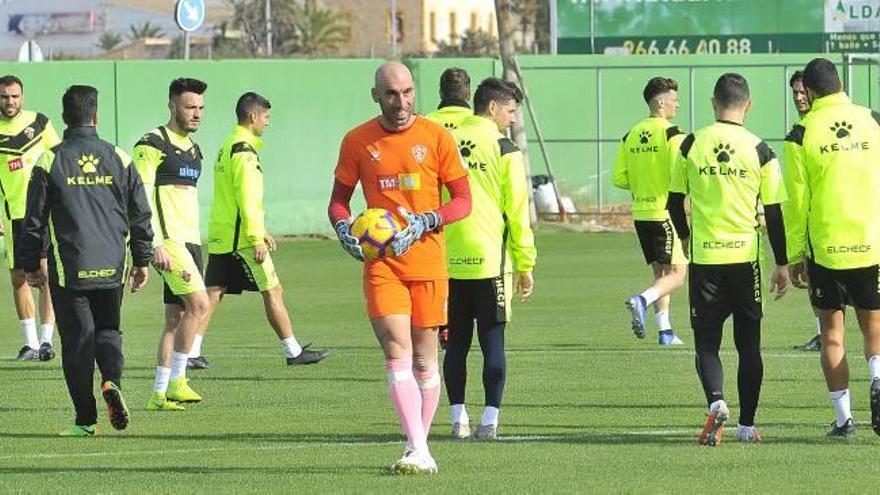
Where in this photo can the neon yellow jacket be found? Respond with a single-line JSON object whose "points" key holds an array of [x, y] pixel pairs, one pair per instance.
{"points": [[497, 231], [833, 173], [237, 214], [450, 114]]}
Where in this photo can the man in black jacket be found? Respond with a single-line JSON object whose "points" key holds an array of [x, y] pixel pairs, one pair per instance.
{"points": [[92, 201]]}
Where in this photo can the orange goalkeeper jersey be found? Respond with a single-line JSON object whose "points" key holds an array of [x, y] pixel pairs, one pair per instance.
{"points": [[408, 169]]}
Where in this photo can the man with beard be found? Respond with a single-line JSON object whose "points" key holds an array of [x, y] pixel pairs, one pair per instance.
{"points": [[401, 161], [170, 164], [24, 135]]}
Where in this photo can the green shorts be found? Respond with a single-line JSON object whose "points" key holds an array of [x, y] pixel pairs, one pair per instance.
{"points": [[186, 272], [239, 271]]}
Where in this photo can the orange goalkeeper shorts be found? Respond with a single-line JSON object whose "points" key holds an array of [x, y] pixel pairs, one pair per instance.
{"points": [[424, 300]]}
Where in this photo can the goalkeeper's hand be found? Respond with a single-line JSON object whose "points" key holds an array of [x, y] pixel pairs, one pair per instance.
{"points": [[418, 224], [348, 241]]}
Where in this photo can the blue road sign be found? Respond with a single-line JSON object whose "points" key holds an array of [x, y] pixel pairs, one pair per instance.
{"points": [[189, 14]]}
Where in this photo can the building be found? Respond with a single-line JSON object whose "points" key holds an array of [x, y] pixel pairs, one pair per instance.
{"points": [[422, 24]]}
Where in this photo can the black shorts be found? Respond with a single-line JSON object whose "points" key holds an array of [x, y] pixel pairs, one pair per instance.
{"points": [[717, 291], [834, 289], [485, 300], [196, 252], [231, 272], [17, 235], [658, 240]]}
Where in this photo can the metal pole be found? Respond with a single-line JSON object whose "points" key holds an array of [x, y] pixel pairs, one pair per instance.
{"points": [[540, 135], [593, 27], [554, 27], [599, 198], [186, 45], [848, 59], [691, 98], [268, 28], [393, 28], [785, 82]]}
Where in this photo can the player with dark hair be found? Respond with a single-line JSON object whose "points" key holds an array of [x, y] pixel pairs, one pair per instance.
{"points": [[239, 246], [831, 220], [455, 93], [88, 195], [401, 161], [802, 105], [643, 165], [170, 165], [25, 135], [726, 170], [484, 250]]}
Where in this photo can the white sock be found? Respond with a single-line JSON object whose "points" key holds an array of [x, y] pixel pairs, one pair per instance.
{"points": [[291, 347], [840, 401], [46, 331], [163, 374], [662, 320], [459, 414], [29, 332], [818, 327], [490, 416], [196, 349], [874, 366], [178, 365], [651, 294], [717, 405]]}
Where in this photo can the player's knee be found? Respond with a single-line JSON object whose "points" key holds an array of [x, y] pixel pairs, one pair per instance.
{"points": [[495, 371], [18, 278], [199, 305]]}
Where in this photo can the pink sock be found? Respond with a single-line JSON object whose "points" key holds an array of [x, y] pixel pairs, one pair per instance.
{"points": [[407, 400], [429, 386]]}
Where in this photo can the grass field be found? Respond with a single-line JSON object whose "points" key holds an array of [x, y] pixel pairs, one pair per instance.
{"points": [[587, 406]]}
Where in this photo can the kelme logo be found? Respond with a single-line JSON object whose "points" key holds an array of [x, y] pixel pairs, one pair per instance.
{"points": [[723, 152], [89, 163]]}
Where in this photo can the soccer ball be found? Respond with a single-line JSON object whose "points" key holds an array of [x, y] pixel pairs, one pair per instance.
{"points": [[375, 229]]}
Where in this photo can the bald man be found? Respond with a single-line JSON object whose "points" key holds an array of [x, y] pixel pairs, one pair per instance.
{"points": [[401, 161]]}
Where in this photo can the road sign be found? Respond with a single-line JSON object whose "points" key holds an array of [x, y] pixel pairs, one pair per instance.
{"points": [[189, 14]]}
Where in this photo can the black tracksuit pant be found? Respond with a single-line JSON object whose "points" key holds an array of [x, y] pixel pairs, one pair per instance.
{"points": [[88, 323]]}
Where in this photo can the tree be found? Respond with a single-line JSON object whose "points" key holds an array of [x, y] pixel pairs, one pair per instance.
{"points": [[474, 43], [316, 31], [144, 31], [533, 28], [299, 27], [109, 40]]}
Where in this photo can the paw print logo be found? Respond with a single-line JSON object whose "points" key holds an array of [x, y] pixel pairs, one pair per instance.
{"points": [[723, 152], [449, 125], [841, 129], [466, 148], [89, 163], [644, 136]]}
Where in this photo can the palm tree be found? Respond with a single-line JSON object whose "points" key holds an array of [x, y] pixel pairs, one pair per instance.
{"points": [[316, 31], [109, 40], [144, 31]]}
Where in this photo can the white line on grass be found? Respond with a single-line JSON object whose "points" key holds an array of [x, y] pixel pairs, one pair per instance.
{"points": [[506, 438]]}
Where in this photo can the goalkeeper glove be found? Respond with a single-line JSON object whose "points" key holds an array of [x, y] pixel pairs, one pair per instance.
{"points": [[418, 224], [348, 241]]}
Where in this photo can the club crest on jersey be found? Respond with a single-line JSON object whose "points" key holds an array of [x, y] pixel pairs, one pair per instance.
{"points": [[29, 132], [374, 153], [418, 152]]}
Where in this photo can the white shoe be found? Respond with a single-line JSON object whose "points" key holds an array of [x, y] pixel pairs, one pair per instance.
{"points": [[461, 431], [748, 434], [415, 462], [487, 432]]}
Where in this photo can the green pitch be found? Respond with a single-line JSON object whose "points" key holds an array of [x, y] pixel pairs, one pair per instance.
{"points": [[587, 406]]}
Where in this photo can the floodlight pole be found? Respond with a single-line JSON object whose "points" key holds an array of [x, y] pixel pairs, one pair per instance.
{"points": [[394, 28], [268, 28]]}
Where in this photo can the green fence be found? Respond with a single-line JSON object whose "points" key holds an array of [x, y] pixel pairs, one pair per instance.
{"points": [[583, 104]]}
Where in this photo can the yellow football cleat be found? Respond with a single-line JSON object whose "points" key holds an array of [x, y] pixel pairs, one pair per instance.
{"points": [[79, 431], [179, 390], [158, 402]]}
